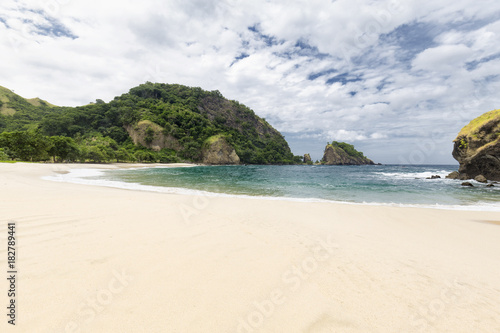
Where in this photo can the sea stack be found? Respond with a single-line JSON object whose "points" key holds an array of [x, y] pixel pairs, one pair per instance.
{"points": [[341, 153], [477, 147]]}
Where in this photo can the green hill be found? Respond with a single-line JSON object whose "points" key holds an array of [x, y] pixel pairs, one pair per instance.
{"points": [[152, 122]]}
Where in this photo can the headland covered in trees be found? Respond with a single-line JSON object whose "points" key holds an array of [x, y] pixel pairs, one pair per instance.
{"points": [[153, 122]]}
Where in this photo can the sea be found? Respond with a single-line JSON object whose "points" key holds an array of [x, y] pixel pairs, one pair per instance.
{"points": [[392, 185]]}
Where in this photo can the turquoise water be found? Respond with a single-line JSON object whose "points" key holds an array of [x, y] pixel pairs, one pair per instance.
{"points": [[385, 184]]}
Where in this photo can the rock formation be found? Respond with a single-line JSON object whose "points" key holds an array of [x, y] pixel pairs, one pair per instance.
{"points": [[336, 155], [151, 135], [307, 158], [480, 179], [477, 147], [217, 151]]}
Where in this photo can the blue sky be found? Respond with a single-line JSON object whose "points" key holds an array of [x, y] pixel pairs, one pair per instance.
{"points": [[398, 79]]}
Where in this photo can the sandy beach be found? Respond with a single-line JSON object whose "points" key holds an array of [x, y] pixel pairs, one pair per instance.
{"points": [[97, 259]]}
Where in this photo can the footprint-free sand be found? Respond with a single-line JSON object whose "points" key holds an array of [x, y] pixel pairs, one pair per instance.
{"points": [[100, 259]]}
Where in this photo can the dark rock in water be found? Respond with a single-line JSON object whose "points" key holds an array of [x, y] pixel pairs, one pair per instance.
{"points": [[480, 179], [434, 177], [307, 158], [453, 175], [490, 185], [467, 184], [477, 147]]}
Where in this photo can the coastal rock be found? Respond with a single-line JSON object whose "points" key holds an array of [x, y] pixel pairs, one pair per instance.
{"points": [[490, 185], [336, 155], [467, 184], [453, 175], [307, 158], [434, 177], [480, 179], [477, 147], [217, 151]]}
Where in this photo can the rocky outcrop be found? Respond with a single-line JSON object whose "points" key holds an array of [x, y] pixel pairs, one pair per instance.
{"points": [[307, 158], [335, 155], [477, 147], [480, 179], [151, 135], [217, 151]]}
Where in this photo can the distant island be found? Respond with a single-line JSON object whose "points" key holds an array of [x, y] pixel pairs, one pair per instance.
{"points": [[153, 122], [341, 153]]}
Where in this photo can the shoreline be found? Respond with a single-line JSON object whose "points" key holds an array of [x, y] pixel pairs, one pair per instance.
{"points": [[188, 191], [99, 259]]}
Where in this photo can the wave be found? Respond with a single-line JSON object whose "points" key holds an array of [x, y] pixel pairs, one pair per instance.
{"points": [[89, 177], [413, 175]]}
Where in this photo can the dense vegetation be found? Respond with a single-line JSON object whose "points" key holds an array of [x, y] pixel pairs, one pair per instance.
{"points": [[100, 132]]}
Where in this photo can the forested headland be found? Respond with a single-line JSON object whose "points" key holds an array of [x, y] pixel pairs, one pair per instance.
{"points": [[153, 122]]}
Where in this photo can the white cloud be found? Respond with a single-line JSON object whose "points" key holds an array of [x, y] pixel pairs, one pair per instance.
{"points": [[345, 135], [442, 56]]}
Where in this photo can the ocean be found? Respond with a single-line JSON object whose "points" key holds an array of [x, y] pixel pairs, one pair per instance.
{"points": [[397, 185]]}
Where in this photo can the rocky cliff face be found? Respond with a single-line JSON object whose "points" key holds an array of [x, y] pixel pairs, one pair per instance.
{"points": [[477, 147], [307, 158], [150, 135], [218, 151], [337, 156]]}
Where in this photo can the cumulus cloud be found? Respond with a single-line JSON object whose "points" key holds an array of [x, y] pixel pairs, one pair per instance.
{"points": [[382, 74], [443, 58]]}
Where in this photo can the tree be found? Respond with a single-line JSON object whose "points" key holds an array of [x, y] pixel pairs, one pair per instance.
{"points": [[122, 155], [26, 145], [95, 154], [298, 159], [4, 156], [145, 156], [62, 147]]}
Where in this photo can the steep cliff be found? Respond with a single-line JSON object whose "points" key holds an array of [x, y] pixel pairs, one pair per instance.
{"points": [[477, 147], [216, 150], [340, 153]]}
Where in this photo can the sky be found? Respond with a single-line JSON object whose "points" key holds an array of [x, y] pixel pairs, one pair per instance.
{"points": [[398, 79]]}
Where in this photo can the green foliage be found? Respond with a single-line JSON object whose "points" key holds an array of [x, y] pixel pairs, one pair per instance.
{"points": [[26, 145], [349, 149], [463, 144], [191, 115], [475, 125], [63, 148], [150, 135], [4, 156], [298, 159]]}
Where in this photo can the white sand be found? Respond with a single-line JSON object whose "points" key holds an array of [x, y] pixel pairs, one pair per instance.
{"points": [[96, 259]]}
